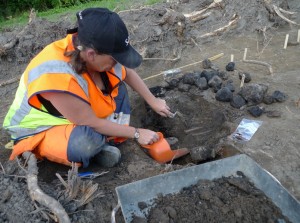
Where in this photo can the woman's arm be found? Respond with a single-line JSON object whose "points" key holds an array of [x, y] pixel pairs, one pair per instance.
{"points": [[80, 113], [137, 84]]}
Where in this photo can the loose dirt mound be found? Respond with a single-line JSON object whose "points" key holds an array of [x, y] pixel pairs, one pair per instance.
{"points": [[172, 35], [228, 199]]}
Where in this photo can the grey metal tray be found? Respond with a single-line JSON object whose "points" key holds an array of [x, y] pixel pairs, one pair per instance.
{"points": [[146, 190]]}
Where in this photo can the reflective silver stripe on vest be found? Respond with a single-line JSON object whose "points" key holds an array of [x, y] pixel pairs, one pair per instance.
{"points": [[118, 70], [57, 67], [50, 67], [21, 112], [20, 133]]}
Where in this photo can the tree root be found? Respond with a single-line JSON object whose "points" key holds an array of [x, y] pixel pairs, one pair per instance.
{"points": [[200, 17], [12, 43], [196, 16], [257, 62], [10, 81], [114, 211], [38, 195], [278, 11], [216, 32]]}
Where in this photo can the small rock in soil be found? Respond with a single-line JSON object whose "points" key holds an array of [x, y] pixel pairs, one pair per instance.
{"points": [[223, 75], [230, 85], [247, 76], [171, 212], [172, 141], [268, 99], [273, 114], [224, 94], [256, 111], [158, 91], [215, 83], [208, 74], [200, 153], [206, 64], [197, 73], [237, 101], [230, 66], [142, 205], [173, 83], [184, 87], [201, 83], [279, 96], [189, 78], [254, 93]]}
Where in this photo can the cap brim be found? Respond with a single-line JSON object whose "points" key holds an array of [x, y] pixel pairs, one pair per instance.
{"points": [[129, 58]]}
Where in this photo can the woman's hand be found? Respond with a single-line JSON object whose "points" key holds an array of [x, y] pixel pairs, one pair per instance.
{"points": [[136, 83], [160, 106], [147, 137]]}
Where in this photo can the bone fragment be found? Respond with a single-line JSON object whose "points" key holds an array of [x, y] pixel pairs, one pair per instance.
{"points": [[257, 62]]}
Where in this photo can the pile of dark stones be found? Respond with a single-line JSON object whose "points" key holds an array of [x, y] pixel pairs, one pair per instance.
{"points": [[249, 96]]}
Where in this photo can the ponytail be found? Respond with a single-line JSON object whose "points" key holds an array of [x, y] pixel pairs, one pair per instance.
{"points": [[75, 60]]}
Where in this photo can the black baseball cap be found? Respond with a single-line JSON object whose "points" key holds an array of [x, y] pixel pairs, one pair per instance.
{"points": [[104, 31]]}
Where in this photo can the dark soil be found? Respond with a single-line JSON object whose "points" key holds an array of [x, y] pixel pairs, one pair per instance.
{"points": [[229, 199], [168, 40]]}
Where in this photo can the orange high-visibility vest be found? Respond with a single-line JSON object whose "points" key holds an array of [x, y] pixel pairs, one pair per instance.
{"points": [[50, 71]]}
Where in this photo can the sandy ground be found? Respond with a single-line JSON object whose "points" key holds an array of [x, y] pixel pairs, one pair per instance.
{"points": [[275, 146]]}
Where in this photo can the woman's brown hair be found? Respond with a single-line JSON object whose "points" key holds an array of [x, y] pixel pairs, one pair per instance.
{"points": [[75, 60]]}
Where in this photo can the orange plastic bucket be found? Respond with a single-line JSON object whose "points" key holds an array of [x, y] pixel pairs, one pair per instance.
{"points": [[162, 152]]}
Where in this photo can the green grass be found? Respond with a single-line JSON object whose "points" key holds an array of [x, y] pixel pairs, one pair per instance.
{"points": [[55, 14]]}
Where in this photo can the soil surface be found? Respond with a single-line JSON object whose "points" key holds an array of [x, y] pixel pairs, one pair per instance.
{"points": [[169, 37]]}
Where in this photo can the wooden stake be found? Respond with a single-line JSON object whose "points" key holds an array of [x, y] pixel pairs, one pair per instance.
{"points": [[286, 41], [298, 38], [245, 53]]}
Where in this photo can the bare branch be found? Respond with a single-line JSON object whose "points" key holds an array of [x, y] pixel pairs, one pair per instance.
{"points": [[37, 194]]}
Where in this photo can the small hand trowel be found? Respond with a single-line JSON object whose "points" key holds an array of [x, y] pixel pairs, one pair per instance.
{"points": [[162, 152]]}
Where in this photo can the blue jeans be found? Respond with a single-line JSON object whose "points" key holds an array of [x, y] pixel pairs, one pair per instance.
{"points": [[84, 142]]}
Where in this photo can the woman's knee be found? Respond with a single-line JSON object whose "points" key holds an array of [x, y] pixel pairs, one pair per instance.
{"points": [[84, 143]]}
